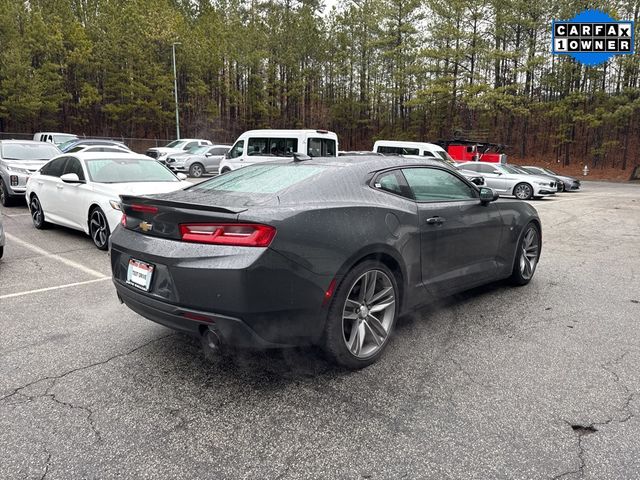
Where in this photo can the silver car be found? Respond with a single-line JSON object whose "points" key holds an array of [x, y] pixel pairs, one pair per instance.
{"points": [[566, 183], [524, 171], [199, 160], [506, 180], [18, 160], [1, 238]]}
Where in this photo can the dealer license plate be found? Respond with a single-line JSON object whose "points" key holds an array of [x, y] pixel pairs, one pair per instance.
{"points": [[139, 274]]}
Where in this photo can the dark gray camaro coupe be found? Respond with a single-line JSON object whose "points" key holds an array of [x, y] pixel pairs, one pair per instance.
{"points": [[316, 251]]}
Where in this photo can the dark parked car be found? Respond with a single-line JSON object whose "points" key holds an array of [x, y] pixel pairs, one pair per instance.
{"points": [[567, 183], [319, 251]]}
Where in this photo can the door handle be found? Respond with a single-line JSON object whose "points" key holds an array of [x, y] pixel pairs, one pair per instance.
{"points": [[436, 220]]}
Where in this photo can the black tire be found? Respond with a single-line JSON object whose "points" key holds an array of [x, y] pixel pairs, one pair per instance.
{"points": [[562, 187], [37, 214], [523, 191], [196, 170], [5, 198], [337, 328], [1, 251], [99, 228], [525, 256], [225, 170]]}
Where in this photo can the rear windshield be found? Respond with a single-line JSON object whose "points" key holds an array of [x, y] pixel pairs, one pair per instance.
{"points": [[28, 151], [128, 170], [260, 178]]}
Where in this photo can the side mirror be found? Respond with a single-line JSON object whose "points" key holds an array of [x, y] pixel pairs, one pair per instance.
{"points": [[181, 176], [208, 154], [488, 195], [70, 178]]}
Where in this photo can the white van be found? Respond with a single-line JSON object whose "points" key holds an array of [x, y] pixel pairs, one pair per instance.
{"points": [[411, 149], [257, 146], [56, 138]]}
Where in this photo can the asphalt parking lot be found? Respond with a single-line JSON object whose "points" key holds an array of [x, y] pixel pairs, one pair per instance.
{"points": [[497, 383]]}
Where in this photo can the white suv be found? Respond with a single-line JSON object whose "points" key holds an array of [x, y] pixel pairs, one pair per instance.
{"points": [[177, 146]]}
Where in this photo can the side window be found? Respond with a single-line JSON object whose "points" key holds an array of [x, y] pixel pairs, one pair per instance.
{"points": [[484, 168], [54, 168], [218, 151], [190, 145], [73, 166], [321, 147], [428, 154], [471, 166], [283, 147], [257, 146], [432, 185], [237, 149], [392, 182]]}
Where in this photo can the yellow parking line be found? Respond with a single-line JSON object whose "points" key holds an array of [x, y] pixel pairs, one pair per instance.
{"points": [[55, 256], [39, 290]]}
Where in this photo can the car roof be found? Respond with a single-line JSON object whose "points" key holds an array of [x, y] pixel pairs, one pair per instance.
{"points": [[106, 155], [371, 163], [13, 140], [190, 140], [401, 143], [290, 131], [56, 133]]}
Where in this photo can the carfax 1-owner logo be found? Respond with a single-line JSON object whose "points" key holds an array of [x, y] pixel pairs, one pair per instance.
{"points": [[592, 37]]}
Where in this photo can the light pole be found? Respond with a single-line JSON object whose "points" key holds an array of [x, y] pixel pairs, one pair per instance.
{"points": [[175, 88]]}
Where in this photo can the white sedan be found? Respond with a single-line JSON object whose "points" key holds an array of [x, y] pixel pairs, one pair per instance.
{"points": [[82, 190]]}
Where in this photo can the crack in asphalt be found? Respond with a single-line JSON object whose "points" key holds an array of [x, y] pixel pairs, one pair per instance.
{"points": [[52, 396], [46, 466], [55, 378], [582, 464], [626, 408]]}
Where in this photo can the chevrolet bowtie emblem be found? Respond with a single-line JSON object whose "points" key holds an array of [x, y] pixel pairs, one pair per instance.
{"points": [[145, 226]]}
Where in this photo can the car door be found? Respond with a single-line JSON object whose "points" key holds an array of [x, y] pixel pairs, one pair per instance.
{"points": [[459, 235], [212, 162], [48, 187], [72, 197], [493, 177]]}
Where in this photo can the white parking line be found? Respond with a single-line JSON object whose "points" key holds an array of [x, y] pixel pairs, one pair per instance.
{"points": [[38, 290], [16, 215], [55, 256]]}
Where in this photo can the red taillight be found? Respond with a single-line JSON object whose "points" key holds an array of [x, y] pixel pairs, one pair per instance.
{"points": [[144, 208], [123, 220], [238, 234]]}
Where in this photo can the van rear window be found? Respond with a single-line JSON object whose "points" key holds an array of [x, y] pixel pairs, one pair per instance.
{"points": [[398, 150], [260, 178]]}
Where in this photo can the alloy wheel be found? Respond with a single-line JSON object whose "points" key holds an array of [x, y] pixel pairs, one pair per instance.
{"points": [[99, 228], [368, 314], [529, 253], [523, 191], [3, 194], [196, 171], [37, 214]]}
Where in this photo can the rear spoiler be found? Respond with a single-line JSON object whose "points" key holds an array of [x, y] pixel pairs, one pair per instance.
{"points": [[130, 199]]}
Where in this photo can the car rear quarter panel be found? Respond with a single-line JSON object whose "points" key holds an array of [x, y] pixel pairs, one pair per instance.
{"points": [[329, 239]]}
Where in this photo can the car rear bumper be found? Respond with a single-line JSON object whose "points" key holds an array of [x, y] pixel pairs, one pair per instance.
{"points": [[232, 331], [252, 296]]}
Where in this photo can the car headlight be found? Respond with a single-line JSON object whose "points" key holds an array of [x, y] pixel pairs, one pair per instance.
{"points": [[22, 171], [115, 205]]}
